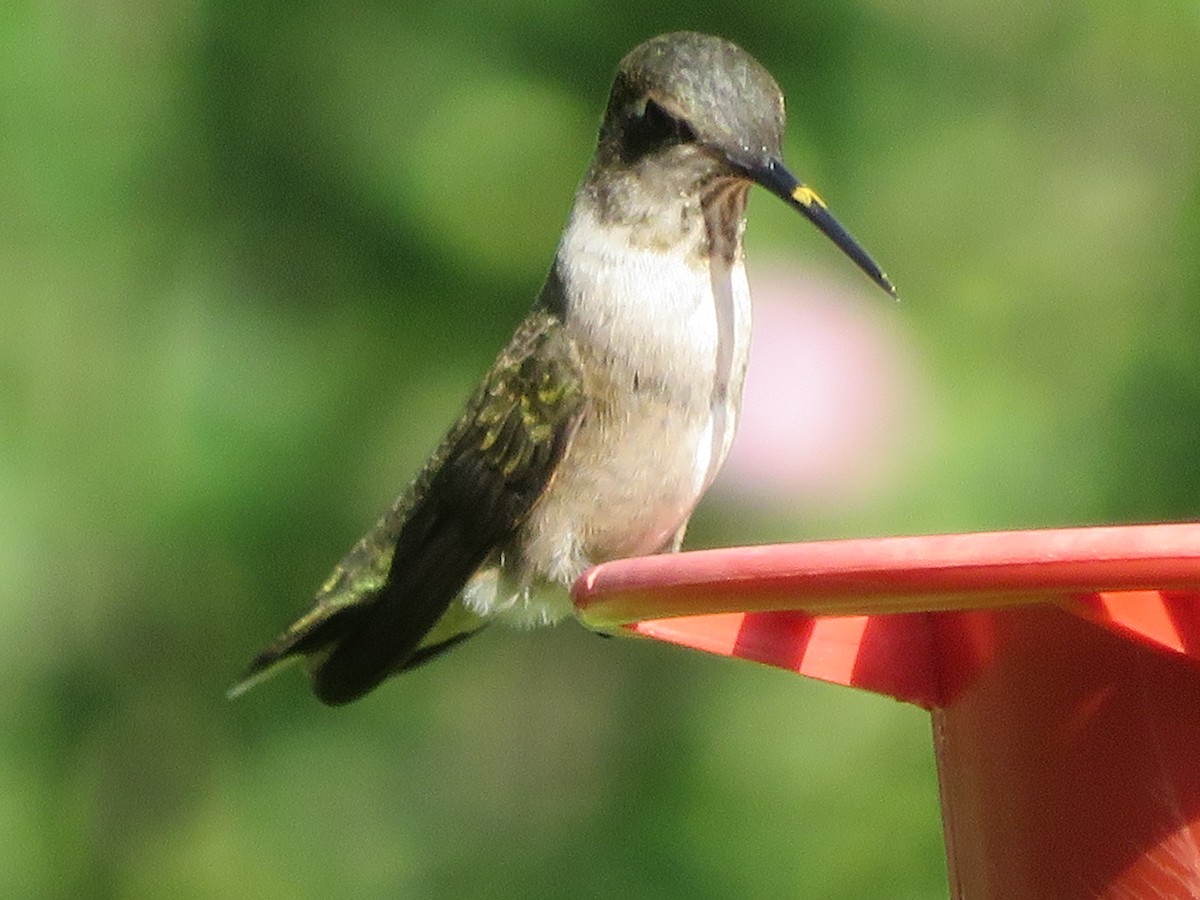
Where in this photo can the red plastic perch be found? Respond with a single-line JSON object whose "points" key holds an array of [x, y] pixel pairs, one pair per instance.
{"points": [[1060, 666]]}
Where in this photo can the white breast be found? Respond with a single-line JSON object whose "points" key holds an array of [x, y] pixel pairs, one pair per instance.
{"points": [[665, 340], [678, 326], [672, 316]]}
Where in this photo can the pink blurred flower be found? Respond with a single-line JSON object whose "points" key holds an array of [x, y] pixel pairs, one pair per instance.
{"points": [[833, 394]]}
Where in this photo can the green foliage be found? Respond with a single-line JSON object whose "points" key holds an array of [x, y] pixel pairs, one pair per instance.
{"points": [[252, 257]]}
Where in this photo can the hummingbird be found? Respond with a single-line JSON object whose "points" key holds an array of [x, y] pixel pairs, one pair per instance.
{"points": [[610, 411]]}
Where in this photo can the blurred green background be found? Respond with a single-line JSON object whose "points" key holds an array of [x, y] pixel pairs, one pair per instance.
{"points": [[252, 256]]}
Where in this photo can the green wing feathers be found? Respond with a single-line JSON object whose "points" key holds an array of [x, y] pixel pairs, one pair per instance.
{"points": [[390, 590]]}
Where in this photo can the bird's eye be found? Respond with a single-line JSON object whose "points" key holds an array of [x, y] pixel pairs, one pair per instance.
{"points": [[652, 128]]}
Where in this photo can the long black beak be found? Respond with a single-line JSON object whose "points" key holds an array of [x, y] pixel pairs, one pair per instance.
{"points": [[782, 183]]}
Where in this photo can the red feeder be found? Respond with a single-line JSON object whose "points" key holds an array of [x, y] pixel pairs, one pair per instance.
{"points": [[1062, 670]]}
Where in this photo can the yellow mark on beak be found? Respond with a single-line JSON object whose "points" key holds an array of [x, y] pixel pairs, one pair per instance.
{"points": [[806, 196]]}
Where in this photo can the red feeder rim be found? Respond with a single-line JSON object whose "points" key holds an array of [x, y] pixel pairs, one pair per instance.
{"points": [[856, 612]]}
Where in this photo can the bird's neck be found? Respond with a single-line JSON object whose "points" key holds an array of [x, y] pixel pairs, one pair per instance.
{"points": [[654, 289]]}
